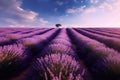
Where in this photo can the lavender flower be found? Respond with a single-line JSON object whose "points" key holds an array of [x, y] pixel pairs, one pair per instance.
{"points": [[13, 37], [63, 35], [99, 53], [3, 39], [61, 41], [11, 58], [84, 44], [109, 41], [107, 68], [58, 67], [57, 48], [29, 42]]}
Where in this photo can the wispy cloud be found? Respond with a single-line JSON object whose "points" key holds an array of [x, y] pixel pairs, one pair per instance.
{"points": [[60, 3], [16, 16], [43, 22], [94, 1], [95, 14], [105, 14], [76, 10]]}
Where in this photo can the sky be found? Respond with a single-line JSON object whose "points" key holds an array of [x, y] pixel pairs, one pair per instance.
{"points": [[69, 13]]}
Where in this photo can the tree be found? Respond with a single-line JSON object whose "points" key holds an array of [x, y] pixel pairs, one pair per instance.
{"points": [[58, 25]]}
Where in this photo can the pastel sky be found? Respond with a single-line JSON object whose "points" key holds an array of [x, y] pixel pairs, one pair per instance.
{"points": [[69, 13]]}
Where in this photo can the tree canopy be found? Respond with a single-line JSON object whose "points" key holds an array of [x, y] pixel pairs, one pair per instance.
{"points": [[58, 25]]}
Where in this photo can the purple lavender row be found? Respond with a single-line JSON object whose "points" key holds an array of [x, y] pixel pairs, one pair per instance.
{"points": [[36, 43], [10, 36], [71, 76], [83, 41], [16, 31], [58, 48], [102, 62], [102, 33], [32, 30], [6, 41], [13, 60], [62, 38], [13, 38], [37, 38], [61, 49], [61, 44], [115, 31], [20, 36], [36, 32], [107, 30], [109, 41], [63, 35], [45, 37], [52, 58], [12, 30], [57, 67]]}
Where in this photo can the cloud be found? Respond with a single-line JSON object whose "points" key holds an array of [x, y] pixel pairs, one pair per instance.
{"points": [[105, 14], [99, 13], [42, 21], [94, 1], [90, 10], [9, 10], [13, 14], [60, 3], [76, 10]]}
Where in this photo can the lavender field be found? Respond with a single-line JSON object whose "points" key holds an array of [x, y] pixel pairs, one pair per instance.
{"points": [[59, 54]]}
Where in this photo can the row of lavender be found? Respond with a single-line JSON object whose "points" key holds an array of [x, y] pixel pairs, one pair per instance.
{"points": [[12, 36], [102, 61], [17, 56], [49, 54], [58, 61], [111, 42]]}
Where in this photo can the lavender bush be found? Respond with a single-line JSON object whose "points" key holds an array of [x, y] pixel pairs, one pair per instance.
{"points": [[84, 44], [109, 41], [59, 54], [11, 58], [99, 53], [61, 41], [58, 67], [102, 33], [107, 68], [57, 48]]}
